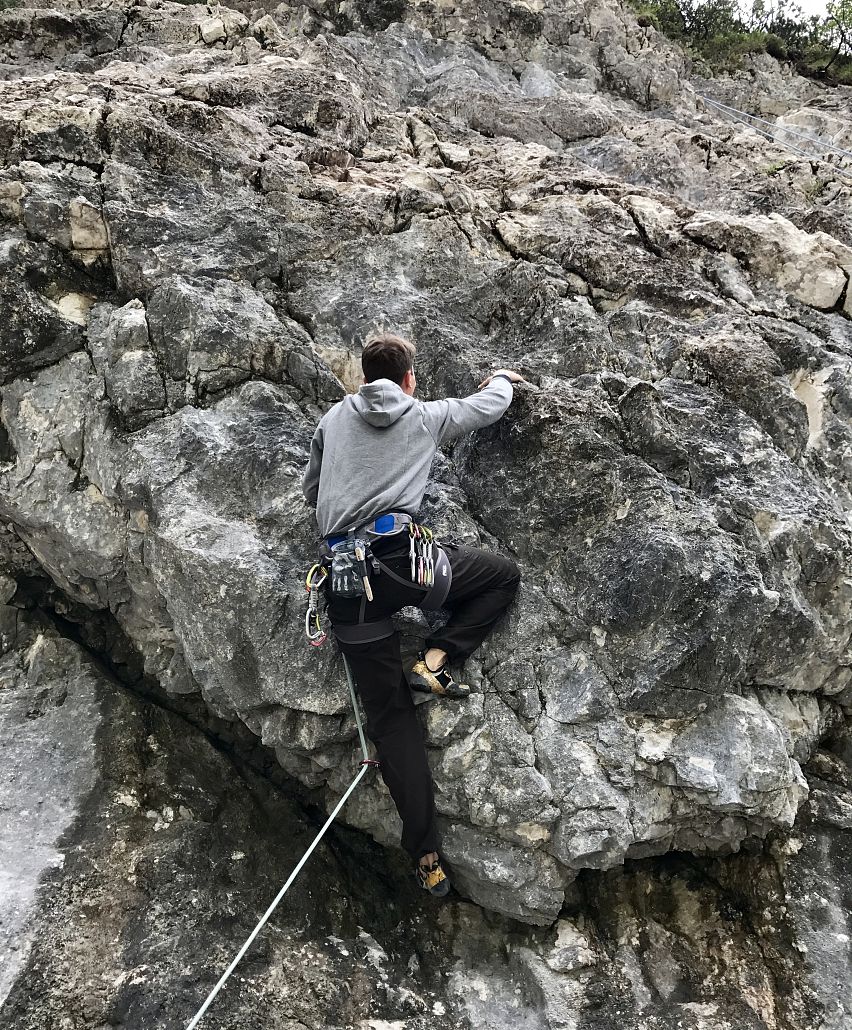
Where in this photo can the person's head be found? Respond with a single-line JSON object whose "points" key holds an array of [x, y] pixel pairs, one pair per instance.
{"points": [[386, 356]]}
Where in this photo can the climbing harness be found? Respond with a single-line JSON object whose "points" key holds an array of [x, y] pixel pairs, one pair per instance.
{"points": [[388, 524], [430, 571], [742, 116], [350, 561], [365, 764]]}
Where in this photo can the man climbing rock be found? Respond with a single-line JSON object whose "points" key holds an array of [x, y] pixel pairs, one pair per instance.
{"points": [[369, 464]]}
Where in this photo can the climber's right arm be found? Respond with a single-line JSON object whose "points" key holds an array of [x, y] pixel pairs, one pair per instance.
{"points": [[455, 416]]}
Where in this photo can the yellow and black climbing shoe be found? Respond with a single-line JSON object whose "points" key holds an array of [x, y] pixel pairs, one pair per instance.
{"points": [[432, 878], [437, 681]]}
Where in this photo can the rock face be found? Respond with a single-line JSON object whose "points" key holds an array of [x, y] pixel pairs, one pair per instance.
{"points": [[138, 851], [205, 211], [814, 267], [156, 854]]}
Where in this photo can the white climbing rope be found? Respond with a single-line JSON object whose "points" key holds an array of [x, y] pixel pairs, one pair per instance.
{"points": [[743, 116], [365, 765]]}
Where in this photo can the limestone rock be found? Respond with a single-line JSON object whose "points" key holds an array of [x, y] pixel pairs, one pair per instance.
{"points": [[136, 858], [814, 267], [197, 235]]}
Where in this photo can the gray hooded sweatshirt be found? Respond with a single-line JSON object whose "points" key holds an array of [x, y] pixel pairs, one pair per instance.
{"points": [[372, 451]]}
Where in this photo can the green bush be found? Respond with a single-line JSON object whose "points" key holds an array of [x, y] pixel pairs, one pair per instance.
{"points": [[776, 47], [721, 33], [817, 61], [647, 16]]}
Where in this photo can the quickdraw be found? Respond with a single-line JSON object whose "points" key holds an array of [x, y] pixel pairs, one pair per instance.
{"points": [[317, 575], [421, 551]]}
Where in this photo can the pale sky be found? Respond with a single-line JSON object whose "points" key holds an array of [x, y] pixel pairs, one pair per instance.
{"points": [[812, 6], [808, 6]]}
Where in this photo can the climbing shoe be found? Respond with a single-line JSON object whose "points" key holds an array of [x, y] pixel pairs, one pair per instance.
{"points": [[440, 681], [432, 878]]}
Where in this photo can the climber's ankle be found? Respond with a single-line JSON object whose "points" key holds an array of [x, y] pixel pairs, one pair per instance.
{"points": [[435, 659]]}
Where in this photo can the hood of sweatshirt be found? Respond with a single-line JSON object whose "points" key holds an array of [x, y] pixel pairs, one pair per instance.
{"points": [[381, 402]]}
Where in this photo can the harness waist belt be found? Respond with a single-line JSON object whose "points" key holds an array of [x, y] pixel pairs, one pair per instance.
{"points": [[383, 525]]}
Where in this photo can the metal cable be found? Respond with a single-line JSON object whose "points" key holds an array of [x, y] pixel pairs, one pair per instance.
{"points": [[782, 128], [789, 146], [365, 765], [742, 115]]}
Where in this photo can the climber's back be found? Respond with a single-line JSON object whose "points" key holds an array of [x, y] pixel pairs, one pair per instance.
{"points": [[372, 451]]}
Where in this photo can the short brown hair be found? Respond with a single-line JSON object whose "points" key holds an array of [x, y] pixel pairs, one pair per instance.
{"points": [[387, 356]]}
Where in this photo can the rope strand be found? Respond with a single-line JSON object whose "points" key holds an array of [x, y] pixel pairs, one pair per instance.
{"points": [[365, 765]]}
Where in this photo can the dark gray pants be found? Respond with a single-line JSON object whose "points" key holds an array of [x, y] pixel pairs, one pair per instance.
{"points": [[483, 587]]}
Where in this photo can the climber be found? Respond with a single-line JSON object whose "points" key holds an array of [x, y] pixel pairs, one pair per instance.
{"points": [[369, 463]]}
